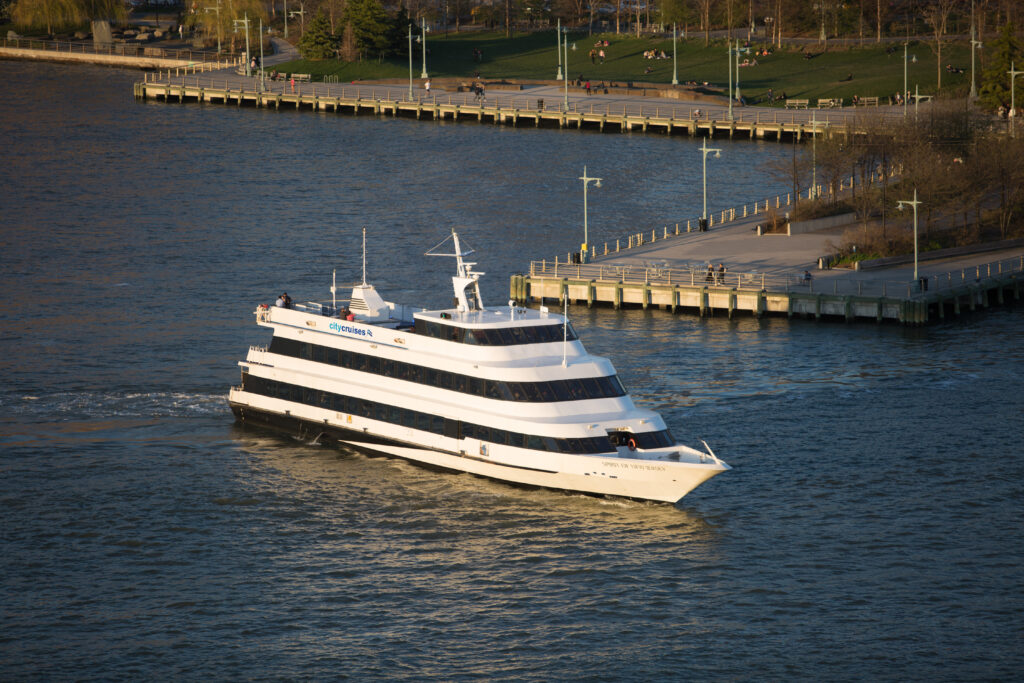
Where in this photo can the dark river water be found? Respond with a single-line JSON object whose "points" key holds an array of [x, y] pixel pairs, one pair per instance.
{"points": [[872, 527]]}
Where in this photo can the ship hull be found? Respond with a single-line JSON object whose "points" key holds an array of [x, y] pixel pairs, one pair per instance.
{"points": [[639, 479]]}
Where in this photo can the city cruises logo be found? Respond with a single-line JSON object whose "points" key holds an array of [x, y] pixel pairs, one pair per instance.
{"points": [[348, 329]]}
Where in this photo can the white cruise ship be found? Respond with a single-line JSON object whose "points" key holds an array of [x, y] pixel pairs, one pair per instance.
{"points": [[507, 393]]}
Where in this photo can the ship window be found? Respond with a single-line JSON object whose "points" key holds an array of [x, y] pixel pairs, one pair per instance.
{"points": [[518, 390], [452, 429], [518, 335], [561, 389], [535, 442], [591, 388], [546, 392], [516, 439], [492, 389], [306, 352], [476, 386], [576, 389]]}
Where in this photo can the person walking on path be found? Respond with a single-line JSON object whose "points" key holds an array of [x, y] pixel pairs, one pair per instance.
{"points": [[427, 87], [588, 87], [601, 55], [292, 81]]}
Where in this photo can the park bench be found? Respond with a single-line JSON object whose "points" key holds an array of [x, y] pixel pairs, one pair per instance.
{"points": [[797, 104], [301, 78], [830, 102], [868, 101]]}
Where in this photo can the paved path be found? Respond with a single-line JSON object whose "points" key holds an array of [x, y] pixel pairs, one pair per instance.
{"points": [[737, 245]]}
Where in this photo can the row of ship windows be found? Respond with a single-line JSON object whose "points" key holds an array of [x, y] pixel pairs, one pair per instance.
{"points": [[436, 424], [496, 336], [527, 392]]}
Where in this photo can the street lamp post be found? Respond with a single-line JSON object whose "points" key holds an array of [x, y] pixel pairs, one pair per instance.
{"points": [[705, 150], [410, 61], [248, 55], [565, 81], [904, 93], [586, 237], [975, 44], [914, 203], [814, 156], [558, 35], [423, 23], [737, 72], [263, 80], [1013, 97], [301, 13], [216, 9], [285, 18], [729, 93], [675, 70]]}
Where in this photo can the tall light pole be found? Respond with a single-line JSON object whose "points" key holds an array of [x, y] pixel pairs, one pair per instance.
{"points": [[675, 70], [1013, 97], [705, 150], [285, 18], [904, 93], [410, 61], [216, 8], [248, 55], [301, 13], [565, 82], [737, 71], [814, 155], [263, 80], [729, 93], [975, 44], [914, 203], [586, 237], [423, 23], [558, 35]]}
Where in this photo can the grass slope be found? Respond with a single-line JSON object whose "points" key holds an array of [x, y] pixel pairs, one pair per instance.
{"points": [[532, 57]]}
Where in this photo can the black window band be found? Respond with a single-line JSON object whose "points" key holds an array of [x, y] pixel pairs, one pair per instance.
{"points": [[423, 421], [524, 392], [496, 336]]}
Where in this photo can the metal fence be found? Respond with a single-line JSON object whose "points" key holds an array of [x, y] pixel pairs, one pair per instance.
{"points": [[697, 274], [120, 49]]}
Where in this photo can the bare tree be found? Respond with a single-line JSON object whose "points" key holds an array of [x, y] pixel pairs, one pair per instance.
{"points": [[936, 13]]}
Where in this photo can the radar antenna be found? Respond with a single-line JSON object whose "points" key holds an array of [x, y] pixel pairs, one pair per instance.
{"points": [[465, 277]]}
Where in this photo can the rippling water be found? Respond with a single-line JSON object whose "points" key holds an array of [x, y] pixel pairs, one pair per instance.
{"points": [[871, 528]]}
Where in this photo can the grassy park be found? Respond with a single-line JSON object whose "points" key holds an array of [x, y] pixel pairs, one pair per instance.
{"points": [[836, 72]]}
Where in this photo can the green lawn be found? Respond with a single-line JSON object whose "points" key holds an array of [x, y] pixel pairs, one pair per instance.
{"points": [[532, 57]]}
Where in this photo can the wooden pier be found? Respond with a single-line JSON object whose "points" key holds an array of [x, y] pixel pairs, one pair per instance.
{"points": [[513, 110], [758, 294]]}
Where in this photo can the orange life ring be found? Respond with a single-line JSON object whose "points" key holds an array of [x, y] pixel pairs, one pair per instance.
{"points": [[631, 443]]}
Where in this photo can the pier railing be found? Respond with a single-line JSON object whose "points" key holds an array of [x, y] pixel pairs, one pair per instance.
{"points": [[697, 275], [120, 49], [681, 114]]}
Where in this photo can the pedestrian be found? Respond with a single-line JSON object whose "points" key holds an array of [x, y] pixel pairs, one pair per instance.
{"points": [[426, 86], [601, 55], [593, 56], [721, 273], [292, 80], [588, 87]]}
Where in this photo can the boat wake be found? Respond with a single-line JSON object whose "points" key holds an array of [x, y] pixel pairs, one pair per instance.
{"points": [[84, 405]]}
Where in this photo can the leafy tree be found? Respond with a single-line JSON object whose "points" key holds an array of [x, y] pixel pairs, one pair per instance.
{"points": [[62, 14], [398, 33], [317, 42], [370, 25], [995, 81]]}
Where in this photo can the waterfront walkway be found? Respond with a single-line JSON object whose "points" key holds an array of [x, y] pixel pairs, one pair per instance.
{"points": [[766, 274]]}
